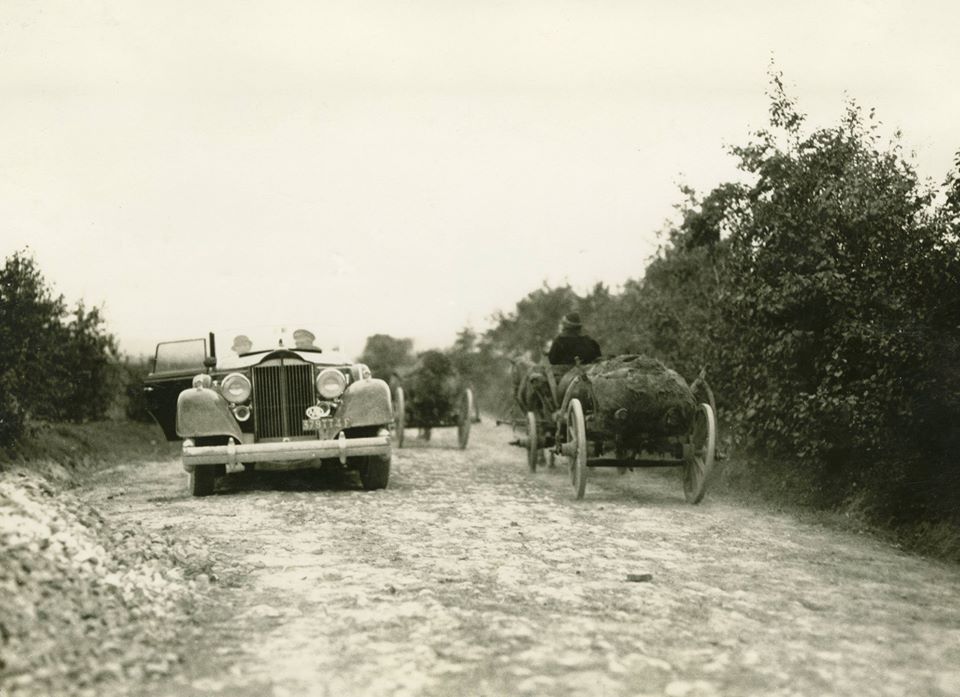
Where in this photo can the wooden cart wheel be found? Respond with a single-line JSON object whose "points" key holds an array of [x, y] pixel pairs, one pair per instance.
{"points": [[476, 412], [465, 418], [698, 465], [701, 388], [533, 442], [399, 415], [577, 447]]}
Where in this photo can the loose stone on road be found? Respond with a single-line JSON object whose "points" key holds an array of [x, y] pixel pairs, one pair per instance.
{"points": [[470, 576]]}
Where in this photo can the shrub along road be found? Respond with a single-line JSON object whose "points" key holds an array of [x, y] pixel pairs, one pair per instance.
{"points": [[471, 576]]}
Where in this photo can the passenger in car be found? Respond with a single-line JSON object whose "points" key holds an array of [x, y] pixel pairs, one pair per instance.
{"points": [[241, 344], [303, 339]]}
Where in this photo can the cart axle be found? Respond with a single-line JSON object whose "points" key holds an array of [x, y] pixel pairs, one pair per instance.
{"points": [[630, 462]]}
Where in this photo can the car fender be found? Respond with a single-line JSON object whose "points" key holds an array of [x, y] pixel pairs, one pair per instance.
{"points": [[204, 412], [366, 403]]}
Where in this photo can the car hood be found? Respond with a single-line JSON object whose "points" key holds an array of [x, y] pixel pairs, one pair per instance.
{"points": [[332, 358]]}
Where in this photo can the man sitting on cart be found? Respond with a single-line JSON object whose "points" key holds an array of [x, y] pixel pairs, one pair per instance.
{"points": [[567, 349], [571, 347]]}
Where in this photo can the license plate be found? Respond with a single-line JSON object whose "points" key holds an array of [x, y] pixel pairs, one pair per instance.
{"points": [[330, 423]]}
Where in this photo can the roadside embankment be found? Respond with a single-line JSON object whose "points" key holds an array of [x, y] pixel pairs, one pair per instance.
{"points": [[88, 602], [64, 453]]}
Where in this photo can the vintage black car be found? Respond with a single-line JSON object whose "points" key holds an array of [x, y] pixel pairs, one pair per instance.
{"points": [[269, 399]]}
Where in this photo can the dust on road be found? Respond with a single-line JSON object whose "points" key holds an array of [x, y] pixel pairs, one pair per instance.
{"points": [[470, 576]]}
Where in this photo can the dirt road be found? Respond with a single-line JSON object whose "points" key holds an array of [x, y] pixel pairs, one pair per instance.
{"points": [[469, 576]]}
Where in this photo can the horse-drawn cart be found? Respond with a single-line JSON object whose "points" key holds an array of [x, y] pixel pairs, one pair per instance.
{"points": [[429, 396], [626, 412]]}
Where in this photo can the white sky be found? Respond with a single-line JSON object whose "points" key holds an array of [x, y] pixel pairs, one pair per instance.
{"points": [[407, 167]]}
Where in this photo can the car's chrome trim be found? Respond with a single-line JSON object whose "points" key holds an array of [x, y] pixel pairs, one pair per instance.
{"points": [[282, 392], [233, 454]]}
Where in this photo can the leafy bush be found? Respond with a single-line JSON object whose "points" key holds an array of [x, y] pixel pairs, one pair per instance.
{"points": [[838, 316], [385, 354], [824, 296], [29, 321], [54, 364]]}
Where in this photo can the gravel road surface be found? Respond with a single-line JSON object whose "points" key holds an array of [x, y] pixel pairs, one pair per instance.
{"points": [[470, 576]]}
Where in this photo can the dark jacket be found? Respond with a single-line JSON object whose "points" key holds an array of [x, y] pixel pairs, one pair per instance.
{"points": [[566, 348]]}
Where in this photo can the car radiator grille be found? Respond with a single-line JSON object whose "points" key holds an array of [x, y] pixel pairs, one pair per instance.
{"points": [[281, 395]]}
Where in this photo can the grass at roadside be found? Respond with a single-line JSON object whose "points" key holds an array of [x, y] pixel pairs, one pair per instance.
{"points": [[64, 453], [751, 483]]}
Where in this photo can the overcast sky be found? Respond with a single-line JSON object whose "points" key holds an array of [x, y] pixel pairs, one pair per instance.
{"points": [[407, 167]]}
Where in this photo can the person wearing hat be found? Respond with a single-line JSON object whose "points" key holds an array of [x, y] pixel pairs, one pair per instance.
{"points": [[572, 345], [303, 339], [241, 344]]}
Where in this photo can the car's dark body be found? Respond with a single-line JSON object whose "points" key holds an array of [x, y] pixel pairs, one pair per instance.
{"points": [[283, 422]]}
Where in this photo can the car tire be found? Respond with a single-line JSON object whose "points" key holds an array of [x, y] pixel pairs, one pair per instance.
{"points": [[375, 472], [203, 478], [400, 416]]}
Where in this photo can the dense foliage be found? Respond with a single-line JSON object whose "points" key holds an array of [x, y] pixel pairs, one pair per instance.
{"points": [[838, 317], [824, 297], [55, 364], [385, 355]]}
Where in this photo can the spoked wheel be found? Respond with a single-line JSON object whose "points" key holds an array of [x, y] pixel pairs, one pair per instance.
{"points": [[701, 390], [465, 418], [476, 412], [698, 465], [399, 415], [577, 447], [533, 442]]}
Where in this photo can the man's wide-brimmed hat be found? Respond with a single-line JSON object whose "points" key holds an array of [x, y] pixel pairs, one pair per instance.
{"points": [[571, 321], [303, 338]]}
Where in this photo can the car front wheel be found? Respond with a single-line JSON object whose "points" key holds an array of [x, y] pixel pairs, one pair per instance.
{"points": [[375, 472], [202, 480]]}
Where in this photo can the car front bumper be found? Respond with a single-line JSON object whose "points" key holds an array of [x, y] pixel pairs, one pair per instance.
{"points": [[283, 453]]}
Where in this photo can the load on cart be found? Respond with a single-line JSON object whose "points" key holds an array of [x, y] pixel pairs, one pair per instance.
{"points": [[626, 412], [432, 395]]}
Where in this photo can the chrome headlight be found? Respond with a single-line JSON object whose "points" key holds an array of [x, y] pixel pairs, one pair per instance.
{"points": [[236, 388], [202, 380], [331, 383]]}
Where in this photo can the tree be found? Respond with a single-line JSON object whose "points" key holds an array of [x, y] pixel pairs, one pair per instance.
{"points": [[29, 323], [54, 365], [838, 313], [88, 361], [384, 355], [534, 321]]}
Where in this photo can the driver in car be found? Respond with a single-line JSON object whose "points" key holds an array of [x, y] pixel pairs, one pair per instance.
{"points": [[303, 339], [241, 344]]}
